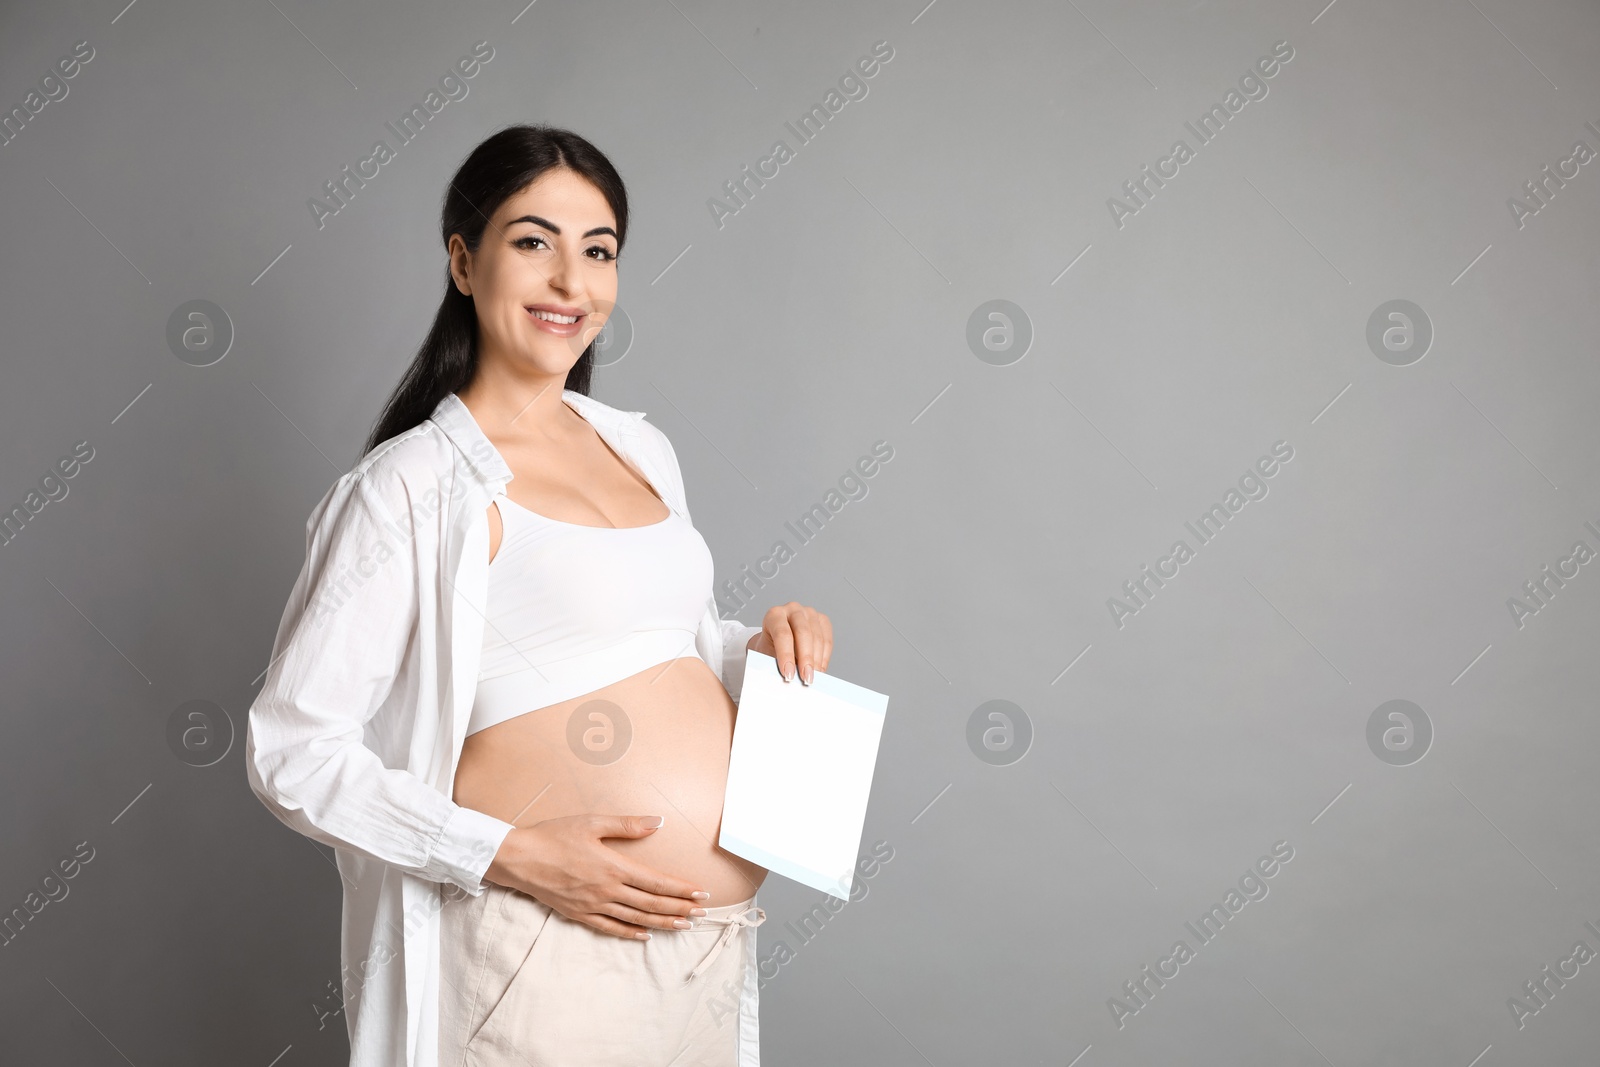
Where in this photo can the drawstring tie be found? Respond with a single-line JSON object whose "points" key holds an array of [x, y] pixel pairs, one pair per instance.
{"points": [[729, 925]]}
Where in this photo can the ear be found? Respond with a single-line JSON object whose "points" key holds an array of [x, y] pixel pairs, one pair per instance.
{"points": [[460, 263]]}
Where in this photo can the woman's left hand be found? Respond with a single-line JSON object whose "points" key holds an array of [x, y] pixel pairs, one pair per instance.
{"points": [[795, 636]]}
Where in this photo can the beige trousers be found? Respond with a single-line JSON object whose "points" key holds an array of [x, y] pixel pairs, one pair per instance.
{"points": [[524, 986]]}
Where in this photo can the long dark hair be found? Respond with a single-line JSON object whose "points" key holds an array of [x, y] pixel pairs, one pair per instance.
{"points": [[507, 162]]}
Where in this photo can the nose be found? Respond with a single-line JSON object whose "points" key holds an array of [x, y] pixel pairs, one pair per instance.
{"points": [[559, 272]]}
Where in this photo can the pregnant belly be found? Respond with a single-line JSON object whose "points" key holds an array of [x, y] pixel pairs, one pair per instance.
{"points": [[654, 743]]}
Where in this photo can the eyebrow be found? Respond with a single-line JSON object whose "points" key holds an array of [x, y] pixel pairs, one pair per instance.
{"points": [[553, 228]]}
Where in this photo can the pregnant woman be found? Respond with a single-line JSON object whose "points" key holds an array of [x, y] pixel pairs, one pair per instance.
{"points": [[502, 668]]}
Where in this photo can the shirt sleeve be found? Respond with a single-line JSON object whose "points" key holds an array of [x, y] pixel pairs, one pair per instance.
{"points": [[735, 634], [350, 621]]}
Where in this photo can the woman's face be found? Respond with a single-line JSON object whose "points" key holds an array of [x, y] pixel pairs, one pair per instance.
{"points": [[548, 253]]}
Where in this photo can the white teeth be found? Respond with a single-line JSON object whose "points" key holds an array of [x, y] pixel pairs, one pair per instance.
{"points": [[550, 316]]}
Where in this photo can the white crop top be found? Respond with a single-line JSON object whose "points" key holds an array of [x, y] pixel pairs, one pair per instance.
{"points": [[573, 608]]}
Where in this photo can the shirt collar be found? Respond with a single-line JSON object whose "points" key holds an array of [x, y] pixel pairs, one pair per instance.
{"points": [[619, 428]]}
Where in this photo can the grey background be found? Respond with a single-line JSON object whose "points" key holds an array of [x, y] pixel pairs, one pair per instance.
{"points": [[831, 312]]}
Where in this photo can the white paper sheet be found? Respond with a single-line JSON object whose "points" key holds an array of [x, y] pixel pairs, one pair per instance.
{"points": [[800, 774]]}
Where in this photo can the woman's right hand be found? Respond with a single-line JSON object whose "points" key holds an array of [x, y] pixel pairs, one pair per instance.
{"points": [[563, 864]]}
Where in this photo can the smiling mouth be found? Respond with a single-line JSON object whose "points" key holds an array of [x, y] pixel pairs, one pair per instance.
{"points": [[550, 316]]}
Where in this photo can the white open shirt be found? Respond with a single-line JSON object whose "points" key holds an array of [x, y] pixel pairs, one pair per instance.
{"points": [[356, 734]]}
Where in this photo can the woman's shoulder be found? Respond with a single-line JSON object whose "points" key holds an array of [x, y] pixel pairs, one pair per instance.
{"points": [[649, 434], [653, 437], [422, 452], [414, 465]]}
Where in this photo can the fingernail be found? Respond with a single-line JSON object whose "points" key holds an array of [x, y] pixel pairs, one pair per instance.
{"points": [[697, 911], [642, 936], [807, 675], [788, 674], [700, 895], [682, 924]]}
